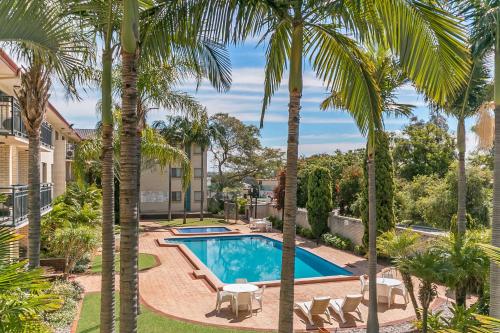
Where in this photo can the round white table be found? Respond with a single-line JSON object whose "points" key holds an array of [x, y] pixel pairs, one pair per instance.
{"points": [[240, 288], [389, 282]]}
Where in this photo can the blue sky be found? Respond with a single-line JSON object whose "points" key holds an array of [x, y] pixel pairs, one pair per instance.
{"points": [[320, 131]]}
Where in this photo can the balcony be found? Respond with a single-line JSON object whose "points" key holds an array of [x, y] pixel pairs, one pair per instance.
{"points": [[11, 122], [14, 203]]}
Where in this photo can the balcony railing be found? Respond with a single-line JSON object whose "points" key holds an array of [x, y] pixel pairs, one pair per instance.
{"points": [[10, 117], [11, 122], [14, 203]]}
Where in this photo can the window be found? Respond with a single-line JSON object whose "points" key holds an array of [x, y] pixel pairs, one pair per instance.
{"points": [[197, 149], [197, 195], [176, 172], [197, 172], [177, 196]]}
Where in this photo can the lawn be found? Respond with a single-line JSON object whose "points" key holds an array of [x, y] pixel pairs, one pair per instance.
{"points": [[193, 222], [145, 261], [148, 321]]}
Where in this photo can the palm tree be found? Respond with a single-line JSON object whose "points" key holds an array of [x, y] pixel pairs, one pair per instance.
{"points": [[467, 262], [33, 95], [401, 246], [428, 267], [203, 133], [100, 17], [484, 16]]}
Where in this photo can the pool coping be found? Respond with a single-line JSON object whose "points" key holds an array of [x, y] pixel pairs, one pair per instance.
{"points": [[175, 231], [201, 271]]}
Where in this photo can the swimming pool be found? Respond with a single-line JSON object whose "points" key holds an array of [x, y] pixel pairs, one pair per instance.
{"points": [[255, 258], [202, 230]]}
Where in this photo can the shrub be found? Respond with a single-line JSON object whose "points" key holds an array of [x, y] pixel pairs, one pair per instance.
{"points": [[304, 232], [337, 241], [214, 205], [319, 200], [277, 223], [71, 293], [359, 250], [242, 202]]}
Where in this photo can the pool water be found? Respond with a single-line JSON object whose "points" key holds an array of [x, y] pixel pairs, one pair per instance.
{"points": [[255, 258], [202, 230]]}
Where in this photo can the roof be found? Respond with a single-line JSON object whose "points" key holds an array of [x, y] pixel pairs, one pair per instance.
{"points": [[86, 133]]}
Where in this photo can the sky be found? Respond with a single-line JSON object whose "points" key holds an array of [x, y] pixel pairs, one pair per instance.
{"points": [[320, 131]]}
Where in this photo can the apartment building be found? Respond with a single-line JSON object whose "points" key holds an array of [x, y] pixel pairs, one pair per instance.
{"points": [[56, 153], [155, 187]]}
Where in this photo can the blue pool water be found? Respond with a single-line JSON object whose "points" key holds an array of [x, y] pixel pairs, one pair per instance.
{"points": [[200, 230], [255, 258]]}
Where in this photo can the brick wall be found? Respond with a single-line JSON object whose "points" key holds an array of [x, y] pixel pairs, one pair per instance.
{"points": [[22, 166], [4, 165]]}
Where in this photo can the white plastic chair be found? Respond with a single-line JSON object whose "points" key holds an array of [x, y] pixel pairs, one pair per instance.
{"points": [[399, 290], [269, 226], [258, 295], [350, 303], [241, 281], [364, 285], [389, 273], [223, 297], [318, 306], [243, 300]]}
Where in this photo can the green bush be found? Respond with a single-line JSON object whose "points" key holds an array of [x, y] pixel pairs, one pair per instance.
{"points": [[338, 241], [277, 223], [242, 202], [359, 250], [215, 206], [304, 232], [71, 293], [319, 200]]}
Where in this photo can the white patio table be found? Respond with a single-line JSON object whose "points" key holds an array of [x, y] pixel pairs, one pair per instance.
{"points": [[390, 283], [237, 288]]}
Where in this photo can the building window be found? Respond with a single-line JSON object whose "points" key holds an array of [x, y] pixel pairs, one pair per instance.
{"points": [[176, 172], [197, 149], [44, 172], [197, 195], [177, 196], [197, 172]]}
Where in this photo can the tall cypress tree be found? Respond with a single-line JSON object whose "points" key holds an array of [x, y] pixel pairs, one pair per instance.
{"points": [[384, 187], [319, 200]]}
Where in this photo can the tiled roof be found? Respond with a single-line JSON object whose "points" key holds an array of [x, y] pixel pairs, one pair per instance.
{"points": [[86, 133]]}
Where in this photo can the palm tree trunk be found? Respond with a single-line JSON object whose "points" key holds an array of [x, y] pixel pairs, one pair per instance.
{"points": [[373, 325], [33, 97], [128, 167], [108, 201], [408, 282], [495, 226], [292, 154], [462, 181], [202, 183], [170, 192], [34, 215]]}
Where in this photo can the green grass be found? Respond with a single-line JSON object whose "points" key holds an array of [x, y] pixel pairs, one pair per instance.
{"points": [[145, 261], [193, 222], [148, 321]]}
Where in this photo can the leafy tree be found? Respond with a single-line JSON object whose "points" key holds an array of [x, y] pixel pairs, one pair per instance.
{"points": [[384, 187], [279, 192], [349, 187], [238, 153], [319, 200], [423, 148], [23, 297]]}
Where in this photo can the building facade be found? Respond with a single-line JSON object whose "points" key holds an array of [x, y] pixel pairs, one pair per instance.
{"points": [[56, 153], [155, 187]]}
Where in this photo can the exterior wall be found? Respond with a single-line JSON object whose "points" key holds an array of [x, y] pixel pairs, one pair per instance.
{"points": [[5, 165], [22, 166], [154, 188]]}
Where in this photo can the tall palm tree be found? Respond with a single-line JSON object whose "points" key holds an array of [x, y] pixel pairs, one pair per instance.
{"points": [[323, 32], [203, 133], [101, 19], [33, 94], [484, 16]]}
